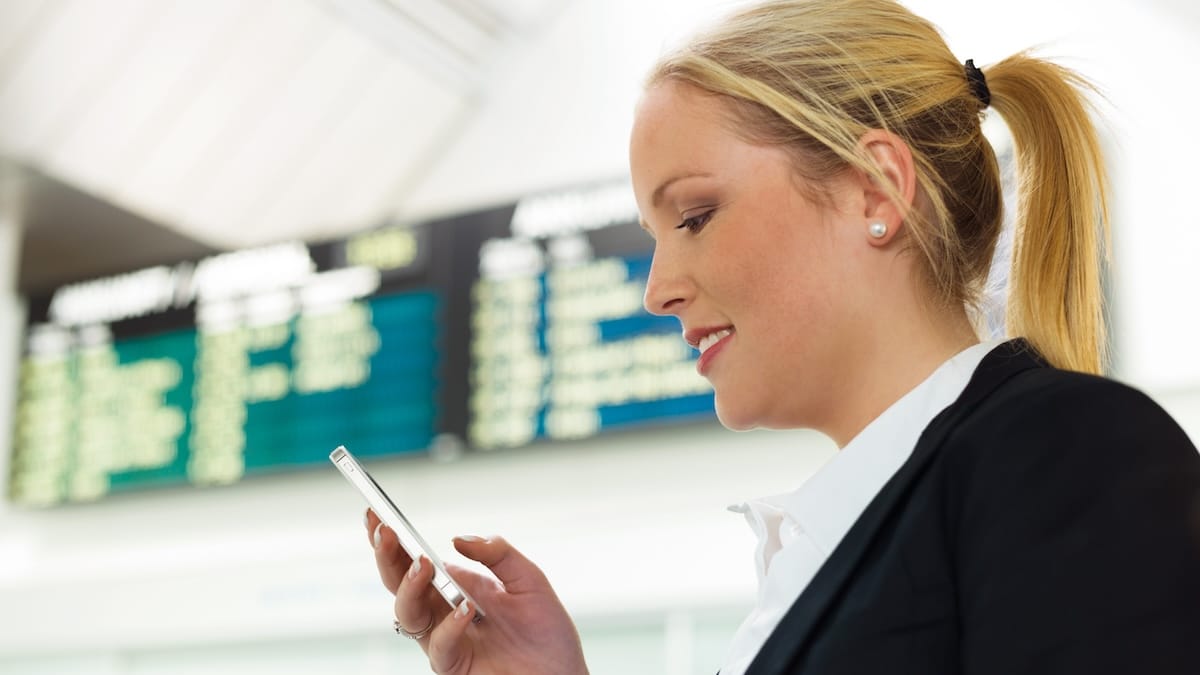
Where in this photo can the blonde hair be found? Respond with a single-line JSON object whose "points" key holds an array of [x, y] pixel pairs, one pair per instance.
{"points": [[815, 75]]}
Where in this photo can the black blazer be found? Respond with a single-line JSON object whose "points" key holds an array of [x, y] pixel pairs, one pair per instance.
{"points": [[1047, 522]]}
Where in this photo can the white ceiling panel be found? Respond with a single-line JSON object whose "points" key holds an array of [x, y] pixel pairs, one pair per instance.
{"points": [[427, 117], [19, 20], [354, 148], [360, 163], [129, 116], [457, 26], [261, 154], [427, 33], [255, 60], [108, 37], [239, 123], [51, 76], [524, 16]]}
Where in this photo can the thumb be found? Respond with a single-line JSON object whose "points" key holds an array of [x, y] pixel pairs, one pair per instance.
{"points": [[514, 570]]}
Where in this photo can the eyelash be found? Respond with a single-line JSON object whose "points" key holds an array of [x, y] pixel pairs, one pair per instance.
{"points": [[696, 222]]}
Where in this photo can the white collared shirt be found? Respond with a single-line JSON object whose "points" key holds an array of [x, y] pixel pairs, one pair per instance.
{"points": [[798, 531]]}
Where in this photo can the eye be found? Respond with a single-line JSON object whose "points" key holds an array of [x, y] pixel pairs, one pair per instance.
{"points": [[696, 223]]}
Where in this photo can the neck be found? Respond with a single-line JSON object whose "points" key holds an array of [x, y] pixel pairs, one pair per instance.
{"points": [[893, 361]]}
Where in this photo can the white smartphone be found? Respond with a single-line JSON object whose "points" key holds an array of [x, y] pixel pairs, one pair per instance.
{"points": [[391, 516]]}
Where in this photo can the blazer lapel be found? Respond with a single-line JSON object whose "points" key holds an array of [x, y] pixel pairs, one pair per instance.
{"points": [[795, 631]]}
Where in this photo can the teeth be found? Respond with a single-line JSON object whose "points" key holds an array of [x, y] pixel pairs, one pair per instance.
{"points": [[712, 339]]}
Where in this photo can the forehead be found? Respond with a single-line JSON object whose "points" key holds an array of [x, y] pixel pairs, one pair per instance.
{"points": [[677, 130], [676, 114]]}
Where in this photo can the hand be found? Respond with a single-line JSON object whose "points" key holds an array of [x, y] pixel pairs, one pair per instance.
{"points": [[526, 630]]}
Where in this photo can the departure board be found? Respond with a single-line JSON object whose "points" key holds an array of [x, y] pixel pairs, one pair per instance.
{"points": [[488, 330]]}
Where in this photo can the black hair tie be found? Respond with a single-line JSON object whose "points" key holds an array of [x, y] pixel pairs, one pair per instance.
{"points": [[978, 83]]}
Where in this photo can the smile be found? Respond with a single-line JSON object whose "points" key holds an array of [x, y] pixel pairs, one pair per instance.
{"points": [[711, 339]]}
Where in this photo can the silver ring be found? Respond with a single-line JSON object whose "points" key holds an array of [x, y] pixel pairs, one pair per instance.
{"points": [[413, 636]]}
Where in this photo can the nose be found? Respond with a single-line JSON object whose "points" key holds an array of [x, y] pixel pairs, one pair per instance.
{"points": [[667, 288]]}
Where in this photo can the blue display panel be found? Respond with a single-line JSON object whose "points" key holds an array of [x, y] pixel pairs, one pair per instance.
{"points": [[569, 352]]}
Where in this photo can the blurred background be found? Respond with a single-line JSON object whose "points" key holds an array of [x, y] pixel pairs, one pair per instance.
{"points": [[234, 234]]}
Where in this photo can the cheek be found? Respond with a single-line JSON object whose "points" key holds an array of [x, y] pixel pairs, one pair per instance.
{"points": [[786, 274], [790, 302]]}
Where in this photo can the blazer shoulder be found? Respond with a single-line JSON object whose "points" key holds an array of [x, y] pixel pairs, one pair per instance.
{"points": [[1066, 436], [1050, 401], [1062, 421]]}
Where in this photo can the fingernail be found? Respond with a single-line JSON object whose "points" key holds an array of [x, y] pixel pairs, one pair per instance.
{"points": [[414, 569], [470, 538], [377, 537], [464, 608]]}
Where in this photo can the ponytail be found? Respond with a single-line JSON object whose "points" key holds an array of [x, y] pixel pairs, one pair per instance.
{"points": [[1055, 295]]}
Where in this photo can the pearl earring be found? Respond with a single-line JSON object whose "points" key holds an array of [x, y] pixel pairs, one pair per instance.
{"points": [[877, 230]]}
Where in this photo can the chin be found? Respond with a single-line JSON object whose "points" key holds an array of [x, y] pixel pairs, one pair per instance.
{"points": [[735, 418]]}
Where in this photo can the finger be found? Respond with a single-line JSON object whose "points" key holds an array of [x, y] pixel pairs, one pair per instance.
{"points": [[418, 604], [482, 587], [371, 521], [513, 569], [390, 557], [447, 643]]}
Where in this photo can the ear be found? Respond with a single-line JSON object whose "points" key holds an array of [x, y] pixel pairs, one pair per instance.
{"points": [[890, 200]]}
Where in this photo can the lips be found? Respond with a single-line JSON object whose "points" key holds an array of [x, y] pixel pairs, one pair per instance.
{"points": [[709, 342]]}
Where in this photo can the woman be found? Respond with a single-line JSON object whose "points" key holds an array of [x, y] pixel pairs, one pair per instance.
{"points": [[825, 209]]}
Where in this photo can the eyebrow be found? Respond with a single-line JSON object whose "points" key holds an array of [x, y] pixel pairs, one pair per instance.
{"points": [[658, 193], [656, 198]]}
